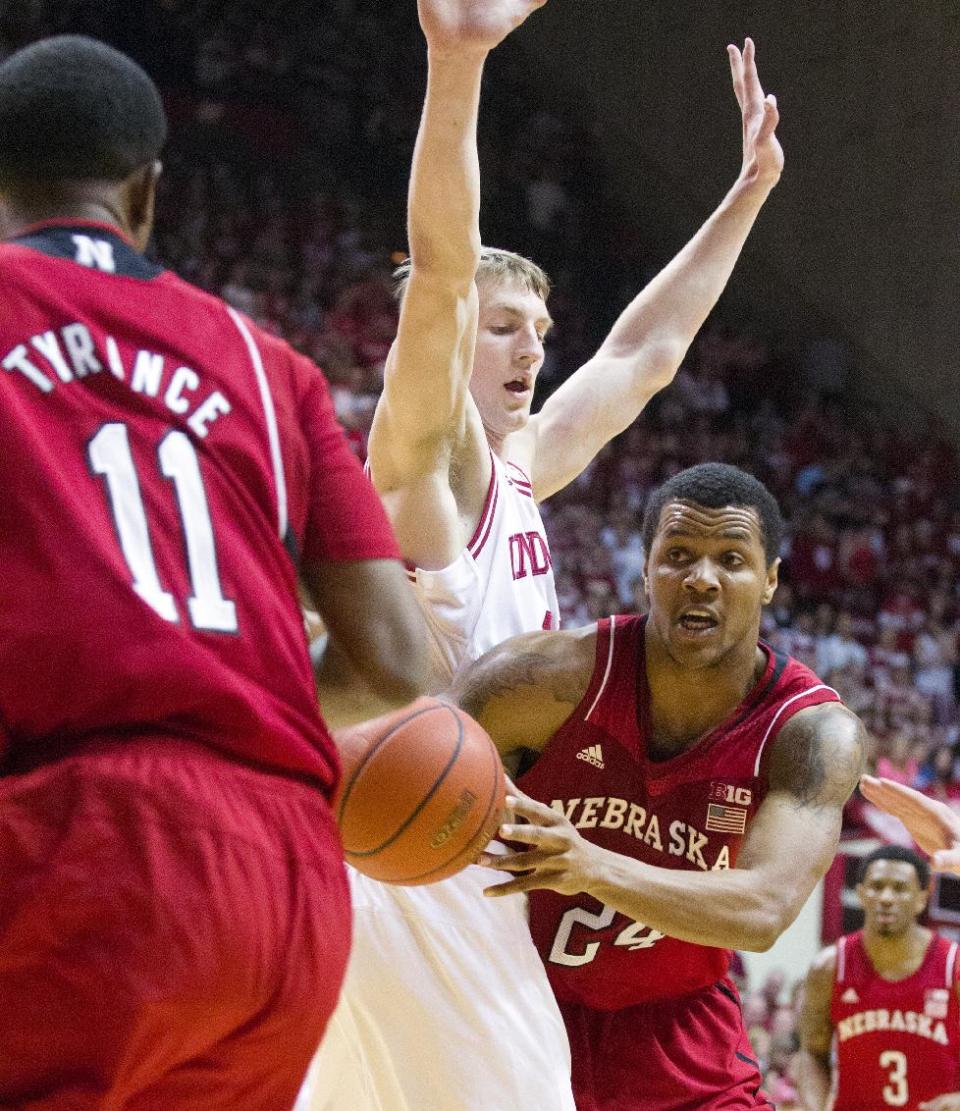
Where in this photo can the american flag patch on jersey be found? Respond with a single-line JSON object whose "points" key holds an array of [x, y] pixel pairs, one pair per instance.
{"points": [[726, 819]]}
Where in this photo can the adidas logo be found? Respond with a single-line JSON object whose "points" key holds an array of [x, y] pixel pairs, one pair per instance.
{"points": [[850, 996], [593, 754]]}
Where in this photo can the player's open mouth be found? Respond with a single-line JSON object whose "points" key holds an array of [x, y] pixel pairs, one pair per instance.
{"points": [[518, 385], [697, 622]]}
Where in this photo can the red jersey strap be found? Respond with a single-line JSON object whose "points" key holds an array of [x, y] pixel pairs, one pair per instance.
{"points": [[615, 668]]}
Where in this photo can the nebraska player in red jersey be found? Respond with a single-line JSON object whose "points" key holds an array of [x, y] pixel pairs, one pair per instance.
{"points": [[174, 919], [881, 1006], [691, 782]]}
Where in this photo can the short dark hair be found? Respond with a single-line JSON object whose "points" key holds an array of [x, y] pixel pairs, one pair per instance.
{"points": [[714, 486], [73, 108], [896, 852]]}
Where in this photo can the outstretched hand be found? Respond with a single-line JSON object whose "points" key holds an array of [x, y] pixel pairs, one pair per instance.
{"points": [[762, 153], [932, 824], [556, 856], [473, 25]]}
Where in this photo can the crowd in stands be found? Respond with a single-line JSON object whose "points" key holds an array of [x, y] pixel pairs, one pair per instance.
{"points": [[284, 193]]}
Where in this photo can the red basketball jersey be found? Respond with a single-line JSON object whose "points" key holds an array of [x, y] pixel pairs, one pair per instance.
{"points": [[690, 812], [896, 1042], [164, 466]]}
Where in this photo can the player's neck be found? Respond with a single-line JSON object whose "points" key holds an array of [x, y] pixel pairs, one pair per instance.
{"points": [[896, 958], [87, 201], [688, 703]]}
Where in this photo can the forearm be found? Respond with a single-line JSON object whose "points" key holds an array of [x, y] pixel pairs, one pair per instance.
{"points": [[345, 697], [728, 908], [660, 323], [813, 1079], [444, 199]]}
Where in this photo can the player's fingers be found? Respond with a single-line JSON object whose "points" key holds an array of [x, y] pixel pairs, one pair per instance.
{"points": [[533, 811], [736, 72], [885, 793], [527, 834], [512, 887], [768, 124], [517, 862], [753, 90], [946, 860]]}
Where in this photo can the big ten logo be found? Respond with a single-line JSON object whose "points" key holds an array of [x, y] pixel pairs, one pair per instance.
{"points": [[726, 792], [529, 554]]}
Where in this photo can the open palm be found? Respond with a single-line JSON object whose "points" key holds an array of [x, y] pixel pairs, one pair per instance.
{"points": [[762, 153]]}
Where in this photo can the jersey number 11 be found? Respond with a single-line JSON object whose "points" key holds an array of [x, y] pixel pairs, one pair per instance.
{"points": [[110, 456]]}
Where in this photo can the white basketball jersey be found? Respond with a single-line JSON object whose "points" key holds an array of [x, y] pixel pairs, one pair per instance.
{"points": [[446, 1005], [502, 583]]}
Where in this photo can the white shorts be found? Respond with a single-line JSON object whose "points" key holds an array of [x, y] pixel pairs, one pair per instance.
{"points": [[445, 1007]]}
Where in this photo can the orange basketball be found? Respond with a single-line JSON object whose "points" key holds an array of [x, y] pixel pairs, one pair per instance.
{"points": [[421, 795]]}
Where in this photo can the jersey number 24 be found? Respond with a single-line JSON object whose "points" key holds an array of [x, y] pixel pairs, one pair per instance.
{"points": [[635, 935]]}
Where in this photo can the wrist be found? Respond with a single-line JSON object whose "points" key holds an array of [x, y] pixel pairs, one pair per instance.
{"points": [[755, 184], [456, 54]]}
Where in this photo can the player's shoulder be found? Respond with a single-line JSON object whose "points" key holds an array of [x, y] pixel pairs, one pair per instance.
{"points": [[263, 346], [828, 722]]}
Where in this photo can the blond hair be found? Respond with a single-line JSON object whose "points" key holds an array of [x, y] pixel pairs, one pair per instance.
{"points": [[495, 266]]}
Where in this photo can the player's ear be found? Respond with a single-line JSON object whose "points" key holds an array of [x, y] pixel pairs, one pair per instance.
{"points": [[770, 587], [141, 195]]}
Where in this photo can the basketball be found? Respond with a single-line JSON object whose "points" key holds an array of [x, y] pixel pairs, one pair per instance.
{"points": [[421, 795]]}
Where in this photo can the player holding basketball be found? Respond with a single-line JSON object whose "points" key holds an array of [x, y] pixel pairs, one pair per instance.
{"points": [[460, 464], [174, 914], [690, 784], [881, 1006]]}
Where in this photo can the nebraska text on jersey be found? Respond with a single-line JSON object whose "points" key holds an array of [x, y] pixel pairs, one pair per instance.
{"points": [[675, 838], [904, 1022]]}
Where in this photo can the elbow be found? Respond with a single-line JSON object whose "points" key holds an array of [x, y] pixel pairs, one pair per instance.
{"points": [[662, 362], [400, 685], [401, 675], [763, 927]]}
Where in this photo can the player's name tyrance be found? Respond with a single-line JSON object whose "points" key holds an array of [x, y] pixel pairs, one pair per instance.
{"points": [[69, 353]]}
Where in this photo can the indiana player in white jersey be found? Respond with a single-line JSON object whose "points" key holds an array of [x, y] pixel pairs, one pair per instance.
{"points": [[446, 1006], [503, 578]]}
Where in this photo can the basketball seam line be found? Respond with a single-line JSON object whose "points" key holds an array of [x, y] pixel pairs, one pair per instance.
{"points": [[423, 802], [469, 845]]}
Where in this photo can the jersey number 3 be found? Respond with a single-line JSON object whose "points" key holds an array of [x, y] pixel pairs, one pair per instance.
{"points": [[110, 457], [633, 936]]}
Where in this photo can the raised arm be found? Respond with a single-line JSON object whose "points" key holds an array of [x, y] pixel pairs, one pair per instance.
{"points": [[816, 1033], [425, 406], [647, 344], [815, 764]]}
